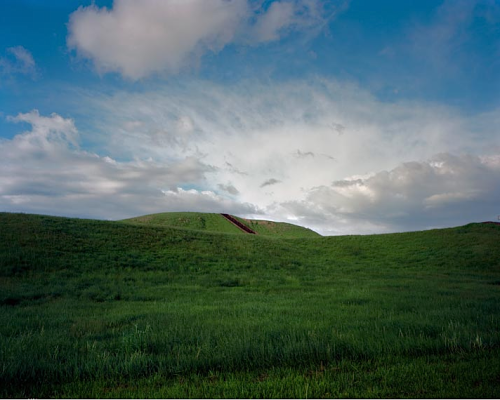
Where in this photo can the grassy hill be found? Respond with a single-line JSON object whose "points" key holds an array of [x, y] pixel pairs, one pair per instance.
{"points": [[111, 309], [277, 229], [216, 223]]}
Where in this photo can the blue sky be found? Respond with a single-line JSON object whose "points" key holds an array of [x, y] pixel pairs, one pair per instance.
{"points": [[344, 116]]}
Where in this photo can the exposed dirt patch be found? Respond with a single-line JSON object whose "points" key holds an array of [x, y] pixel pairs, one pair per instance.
{"points": [[234, 221]]}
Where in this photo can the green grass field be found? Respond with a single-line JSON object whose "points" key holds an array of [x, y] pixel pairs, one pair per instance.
{"points": [[112, 309], [216, 223], [278, 229]]}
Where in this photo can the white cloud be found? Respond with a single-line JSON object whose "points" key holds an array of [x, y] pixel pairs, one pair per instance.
{"points": [[284, 131], [43, 170], [138, 39], [279, 16], [49, 131], [206, 201], [24, 59], [442, 191], [19, 61]]}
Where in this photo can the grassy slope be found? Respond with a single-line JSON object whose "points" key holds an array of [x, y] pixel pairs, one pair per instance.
{"points": [[106, 309], [210, 222], [278, 229], [216, 223]]}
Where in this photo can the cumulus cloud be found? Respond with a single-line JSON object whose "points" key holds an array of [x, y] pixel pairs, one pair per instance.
{"points": [[44, 170], [52, 131], [442, 191], [18, 61], [137, 39]]}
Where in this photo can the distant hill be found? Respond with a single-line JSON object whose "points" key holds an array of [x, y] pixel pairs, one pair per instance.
{"points": [[212, 222]]}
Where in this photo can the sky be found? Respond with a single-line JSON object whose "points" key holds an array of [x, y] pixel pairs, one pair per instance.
{"points": [[347, 117]]}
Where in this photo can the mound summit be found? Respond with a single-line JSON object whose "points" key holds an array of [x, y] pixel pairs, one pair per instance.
{"points": [[213, 222]]}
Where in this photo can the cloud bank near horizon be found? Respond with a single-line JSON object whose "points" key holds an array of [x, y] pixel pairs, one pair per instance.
{"points": [[43, 170], [322, 154]]}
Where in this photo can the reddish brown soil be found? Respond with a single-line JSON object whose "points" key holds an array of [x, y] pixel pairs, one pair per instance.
{"points": [[234, 221]]}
